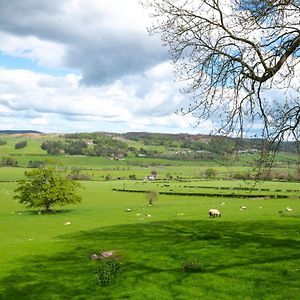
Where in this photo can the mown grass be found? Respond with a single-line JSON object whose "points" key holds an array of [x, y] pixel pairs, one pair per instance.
{"points": [[251, 254]]}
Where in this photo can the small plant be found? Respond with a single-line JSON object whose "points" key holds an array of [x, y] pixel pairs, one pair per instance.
{"points": [[152, 196], [106, 273], [192, 265]]}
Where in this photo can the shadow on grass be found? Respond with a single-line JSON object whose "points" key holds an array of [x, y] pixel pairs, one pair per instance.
{"points": [[263, 256], [37, 212]]}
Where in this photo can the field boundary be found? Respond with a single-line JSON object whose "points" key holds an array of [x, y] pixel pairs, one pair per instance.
{"points": [[207, 194]]}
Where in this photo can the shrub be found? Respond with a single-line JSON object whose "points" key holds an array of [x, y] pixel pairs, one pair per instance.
{"points": [[106, 272], [36, 164], [192, 265], [2, 142]]}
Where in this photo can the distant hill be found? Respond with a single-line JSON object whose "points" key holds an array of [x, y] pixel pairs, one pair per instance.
{"points": [[19, 131]]}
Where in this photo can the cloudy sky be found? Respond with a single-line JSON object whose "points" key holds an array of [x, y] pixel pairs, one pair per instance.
{"points": [[85, 65]]}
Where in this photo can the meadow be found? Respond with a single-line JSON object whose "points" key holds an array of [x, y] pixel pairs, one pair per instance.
{"points": [[244, 254]]}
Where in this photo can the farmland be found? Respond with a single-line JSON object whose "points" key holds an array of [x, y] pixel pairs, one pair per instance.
{"points": [[250, 253]]}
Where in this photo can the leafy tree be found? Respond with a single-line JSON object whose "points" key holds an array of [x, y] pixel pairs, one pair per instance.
{"points": [[211, 173], [231, 55], [132, 176], [43, 188]]}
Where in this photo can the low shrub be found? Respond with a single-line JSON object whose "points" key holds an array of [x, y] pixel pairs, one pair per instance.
{"points": [[192, 265], [106, 272]]}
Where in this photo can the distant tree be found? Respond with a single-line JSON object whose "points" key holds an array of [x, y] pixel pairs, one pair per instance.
{"points": [[169, 176], [210, 173], [77, 175], [108, 177], [154, 174], [2, 142], [152, 196], [21, 145], [132, 177], [43, 188]]}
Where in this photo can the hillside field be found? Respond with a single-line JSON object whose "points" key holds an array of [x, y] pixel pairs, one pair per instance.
{"points": [[170, 250]]}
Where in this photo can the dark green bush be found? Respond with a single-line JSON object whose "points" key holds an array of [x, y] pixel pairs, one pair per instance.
{"points": [[21, 145], [192, 265], [106, 272]]}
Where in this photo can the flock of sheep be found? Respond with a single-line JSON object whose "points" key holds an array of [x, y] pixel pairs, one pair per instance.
{"points": [[213, 212]]}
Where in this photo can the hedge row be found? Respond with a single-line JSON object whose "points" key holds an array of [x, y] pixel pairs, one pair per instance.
{"points": [[207, 194]]}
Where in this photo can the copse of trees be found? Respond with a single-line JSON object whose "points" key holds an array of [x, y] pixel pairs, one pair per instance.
{"points": [[21, 145], [53, 147], [8, 162]]}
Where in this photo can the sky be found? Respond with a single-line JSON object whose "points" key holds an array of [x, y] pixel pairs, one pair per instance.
{"points": [[84, 66]]}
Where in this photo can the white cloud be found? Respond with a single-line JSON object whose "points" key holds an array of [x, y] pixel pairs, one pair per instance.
{"points": [[54, 104], [45, 53]]}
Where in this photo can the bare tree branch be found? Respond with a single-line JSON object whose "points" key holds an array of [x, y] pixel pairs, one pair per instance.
{"points": [[239, 59]]}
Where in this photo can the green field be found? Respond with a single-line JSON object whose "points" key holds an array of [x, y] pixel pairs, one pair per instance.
{"points": [[246, 254], [251, 254]]}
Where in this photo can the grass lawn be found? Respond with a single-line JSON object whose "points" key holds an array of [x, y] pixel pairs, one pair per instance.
{"points": [[251, 254]]}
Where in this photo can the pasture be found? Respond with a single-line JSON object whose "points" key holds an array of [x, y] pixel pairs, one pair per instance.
{"points": [[170, 250], [245, 254]]}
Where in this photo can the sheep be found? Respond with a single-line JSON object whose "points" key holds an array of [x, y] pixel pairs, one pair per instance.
{"points": [[242, 207], [129, 210], [214, 213], [289, 209]]}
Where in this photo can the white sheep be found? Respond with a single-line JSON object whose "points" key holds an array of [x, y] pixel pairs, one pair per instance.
{"points": [[214, 213], [242, 207], [289, 209]]}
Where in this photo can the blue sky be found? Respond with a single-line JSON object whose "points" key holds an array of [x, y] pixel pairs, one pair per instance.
{"points": [[74, 65]]}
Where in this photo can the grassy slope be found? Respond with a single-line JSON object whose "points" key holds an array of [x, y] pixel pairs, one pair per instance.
{"points": [[252, 254]]}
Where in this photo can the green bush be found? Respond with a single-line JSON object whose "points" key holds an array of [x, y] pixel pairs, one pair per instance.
{"points": [[192, 265], [106, 273]]}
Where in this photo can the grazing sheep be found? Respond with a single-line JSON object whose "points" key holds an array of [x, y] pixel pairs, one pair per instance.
{"points": [[289, 209], [129, 210], [214, 213], [223, 203], [242, 207]]}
